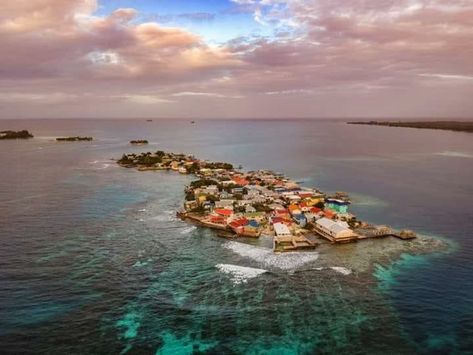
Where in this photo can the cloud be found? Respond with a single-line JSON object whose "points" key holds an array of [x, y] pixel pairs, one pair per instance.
{"points": [[146, 99], [448, 76], [315, 58], [205, 94]]}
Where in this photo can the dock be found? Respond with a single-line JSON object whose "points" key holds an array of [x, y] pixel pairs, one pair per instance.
{"points": [[291, 243], [384, 231]]}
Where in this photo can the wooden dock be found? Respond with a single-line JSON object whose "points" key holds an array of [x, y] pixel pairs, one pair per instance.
{"points": [[383, 231], [292, 243]]}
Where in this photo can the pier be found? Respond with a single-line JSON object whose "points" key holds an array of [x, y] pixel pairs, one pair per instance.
{"points": [[384, 231], [291, 243]]}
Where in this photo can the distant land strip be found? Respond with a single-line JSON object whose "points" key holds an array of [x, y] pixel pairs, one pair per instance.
{"points": [[460, 126]]}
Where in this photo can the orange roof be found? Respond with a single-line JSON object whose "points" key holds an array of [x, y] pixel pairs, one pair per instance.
{"points": [[240, 180], [293, 207], [329, 213]]}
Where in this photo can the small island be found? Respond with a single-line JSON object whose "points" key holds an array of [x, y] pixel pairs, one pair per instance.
{"points": [[256, 203], [139, 142], [24, 134], [459, 126], [74, 139]]}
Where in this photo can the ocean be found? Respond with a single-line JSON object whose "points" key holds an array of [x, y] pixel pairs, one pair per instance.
{"points": [[94, 261]]}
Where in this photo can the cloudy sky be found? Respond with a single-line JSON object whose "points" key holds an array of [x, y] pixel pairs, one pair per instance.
{"points": [[236, 58]]}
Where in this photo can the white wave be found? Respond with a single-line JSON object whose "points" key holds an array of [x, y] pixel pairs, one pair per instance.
{"points": [[267, 258], [239, 274], [160, 218], [188, 230], [341, 270], [139, 263], [455, 154], [142, 210], [104, 166]]}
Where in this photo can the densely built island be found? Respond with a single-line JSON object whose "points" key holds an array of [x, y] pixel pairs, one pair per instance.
{"points": [[255, 203], [460, 126]]}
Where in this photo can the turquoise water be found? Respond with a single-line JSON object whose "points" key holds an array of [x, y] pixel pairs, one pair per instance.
{"points": [[93, 260]]}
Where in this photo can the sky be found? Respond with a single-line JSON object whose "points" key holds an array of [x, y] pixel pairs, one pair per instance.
{"points": [[236, 59]]}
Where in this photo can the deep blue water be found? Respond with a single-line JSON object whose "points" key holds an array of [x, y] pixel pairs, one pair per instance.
{"points": [[92, 259]]}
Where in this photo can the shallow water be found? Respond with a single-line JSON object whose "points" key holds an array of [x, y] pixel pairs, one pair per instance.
{"points": [[93, 260]]}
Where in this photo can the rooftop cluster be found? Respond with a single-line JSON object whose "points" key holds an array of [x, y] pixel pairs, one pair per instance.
{"points": [[255, 203]]}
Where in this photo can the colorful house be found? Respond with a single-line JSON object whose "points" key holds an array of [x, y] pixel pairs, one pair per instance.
{"points": [[337, 205]]}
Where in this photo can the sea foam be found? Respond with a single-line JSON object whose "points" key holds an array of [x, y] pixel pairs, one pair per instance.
{"points": [[341, 270], [267, 258], [239, 274], [188, 230]]}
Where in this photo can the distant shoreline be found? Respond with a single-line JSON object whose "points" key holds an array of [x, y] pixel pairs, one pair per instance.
{"points": [[458, 126]]}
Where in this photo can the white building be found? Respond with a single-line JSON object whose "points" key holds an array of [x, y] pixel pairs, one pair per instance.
{"points": [[211, 190], [334, 231], [281, 230]]}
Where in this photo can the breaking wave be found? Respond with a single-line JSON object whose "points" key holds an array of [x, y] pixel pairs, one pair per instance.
{"points": [[239, 274], [188, 230], [266, 257], [341, 270]]}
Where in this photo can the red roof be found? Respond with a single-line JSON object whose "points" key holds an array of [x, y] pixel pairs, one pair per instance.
{"points": [[239, 222], [223, 212], [240, 181], [315, 210], [329, 213]]}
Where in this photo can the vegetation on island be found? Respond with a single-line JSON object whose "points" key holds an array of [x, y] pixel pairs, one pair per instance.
{"points": [[74, 139], [23, 134], [160, 160], [460, 126]]}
